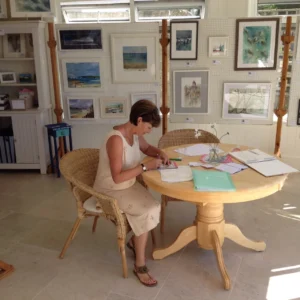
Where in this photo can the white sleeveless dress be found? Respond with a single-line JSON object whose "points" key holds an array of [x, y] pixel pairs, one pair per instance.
{"points": [[141, 209]]}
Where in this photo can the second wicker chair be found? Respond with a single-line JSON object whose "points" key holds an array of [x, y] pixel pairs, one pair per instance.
{"points": [[176, 138]]}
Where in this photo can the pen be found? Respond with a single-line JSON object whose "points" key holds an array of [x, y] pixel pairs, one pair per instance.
{"points": [[176, 159]]}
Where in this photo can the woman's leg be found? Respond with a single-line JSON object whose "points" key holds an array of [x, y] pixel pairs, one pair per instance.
{"points": [[140, 243]]}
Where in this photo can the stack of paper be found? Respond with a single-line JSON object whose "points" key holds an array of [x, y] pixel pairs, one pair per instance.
{"points": [[182, 173], [195, 150], [252, 156], [231, 168]]}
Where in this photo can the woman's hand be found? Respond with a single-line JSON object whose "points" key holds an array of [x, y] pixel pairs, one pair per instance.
{"points": [[164, 157], [153, 164]]}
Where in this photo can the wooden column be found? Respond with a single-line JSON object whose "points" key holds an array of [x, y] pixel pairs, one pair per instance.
{"points": [[164, 41], [286, 39]]}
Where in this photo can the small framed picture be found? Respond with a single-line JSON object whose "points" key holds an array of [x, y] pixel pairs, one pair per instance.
{"points": [[113, 107], [218, 46], [32, 8], [81, 108], [184, 40], [25, 78], [14, 45], [151, 96], [81, 74], [3, 10], [80, 39], [8, 77]]}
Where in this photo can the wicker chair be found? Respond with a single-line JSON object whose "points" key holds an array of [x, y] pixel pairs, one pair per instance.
{"points": [[176, 138], [79, 168]]}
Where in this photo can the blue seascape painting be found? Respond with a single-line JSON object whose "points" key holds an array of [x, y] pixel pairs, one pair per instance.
{"points": [[83, 75], [33, 5], [135, 57]]}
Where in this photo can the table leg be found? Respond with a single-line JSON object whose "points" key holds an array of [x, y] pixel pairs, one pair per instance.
{"points": [[186, 236], [233, 233], [220, 259]]}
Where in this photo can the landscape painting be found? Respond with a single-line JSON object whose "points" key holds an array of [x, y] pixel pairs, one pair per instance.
{"points": [[183, 40], [81, 108], [246, 101], [191, 92], [134, 57], [114, 107], [32, 5], [83, 74], [80, 39]]}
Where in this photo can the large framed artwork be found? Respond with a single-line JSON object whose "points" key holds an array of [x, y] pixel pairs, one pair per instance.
{"points": [[113, 107], [80, 39], [81, 74], [247, 101], [151, 96], [14, 45], [218, 46], [190, 92], [3, 9], [184, 40], [81, 108], [32, 8], [256, 44], [135, 57]]}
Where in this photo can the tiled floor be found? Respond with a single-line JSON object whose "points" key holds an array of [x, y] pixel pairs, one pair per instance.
{"points": [[37, 213]]}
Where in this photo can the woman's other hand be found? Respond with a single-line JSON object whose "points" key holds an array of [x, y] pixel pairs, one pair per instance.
{"points": [[153, 164], [164, 157]]}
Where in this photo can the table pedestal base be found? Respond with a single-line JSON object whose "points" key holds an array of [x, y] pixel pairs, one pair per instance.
{"points": [[210, 230]]}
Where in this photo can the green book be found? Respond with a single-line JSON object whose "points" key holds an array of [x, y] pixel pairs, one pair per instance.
{"points": [[212, 181]]}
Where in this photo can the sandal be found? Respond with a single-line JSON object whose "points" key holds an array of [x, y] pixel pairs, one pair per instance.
{"points": [[143, 270], [131, 247]]}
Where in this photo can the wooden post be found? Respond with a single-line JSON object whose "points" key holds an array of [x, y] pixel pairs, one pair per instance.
{"points": [[58, 109], [164, 41], [286, 39]]}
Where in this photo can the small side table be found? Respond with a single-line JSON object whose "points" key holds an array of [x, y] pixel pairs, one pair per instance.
{"points": [[56, 131]]}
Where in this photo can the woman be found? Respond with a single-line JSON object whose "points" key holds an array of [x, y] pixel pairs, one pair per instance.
{"points": [[119, 165]]}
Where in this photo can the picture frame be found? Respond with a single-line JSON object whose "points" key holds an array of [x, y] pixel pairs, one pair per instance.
{"points": [[184, 40], [247, 101], [135, 58], [3, 9], [80, 39], [256, 44], [8, 77], [14, 45], [113, 107], [32, 8], [81, 74], [190, 92], [25, 78], [218, 46], [151, 96], [81, 108]]}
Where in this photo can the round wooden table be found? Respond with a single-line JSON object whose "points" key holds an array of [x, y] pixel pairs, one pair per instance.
{"points": [[209, 227]]}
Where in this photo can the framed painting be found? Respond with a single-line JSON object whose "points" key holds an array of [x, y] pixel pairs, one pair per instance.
{"points": [[247, 101], [32, 8], [218, 46], [8, 77], [190, 92], [81, 108], [256, 44], [135, 57], [184, 40], [81, 74], [151, 96], [113, 107], [14, 45], [80, 39], [3, 9]]}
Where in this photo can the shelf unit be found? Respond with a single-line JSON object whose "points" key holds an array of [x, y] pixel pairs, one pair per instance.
{"points": [[23, 132]]}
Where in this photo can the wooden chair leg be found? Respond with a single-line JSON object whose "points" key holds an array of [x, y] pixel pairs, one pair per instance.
{"points": [[153, 237], [162, 214], [95, 224], [70, 238], [121, 243]]}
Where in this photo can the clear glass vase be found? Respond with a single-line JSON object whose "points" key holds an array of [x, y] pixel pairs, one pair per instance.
{"points": [[213, 156]]}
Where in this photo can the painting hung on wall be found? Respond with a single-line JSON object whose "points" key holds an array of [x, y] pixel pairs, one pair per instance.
{"points": [[114, 107], [190, 92], [14, 45], [80, 39], [256, 44], [32, 8], [135, 57], [81, 74], [184, 40], [151, 96], [218, 46], [81, 108], [247, 101], [3, 11]]}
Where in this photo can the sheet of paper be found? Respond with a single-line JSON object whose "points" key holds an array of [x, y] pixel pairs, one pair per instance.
{"points": [[250, 156], [200, 164], [195, 150], [182, 173], [231, 168]]}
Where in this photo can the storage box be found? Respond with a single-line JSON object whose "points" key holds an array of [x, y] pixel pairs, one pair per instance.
{"points": [[20, 104]]}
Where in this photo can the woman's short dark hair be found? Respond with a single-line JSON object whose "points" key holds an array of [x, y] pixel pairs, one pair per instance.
{"points": [[147, 110]]}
